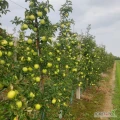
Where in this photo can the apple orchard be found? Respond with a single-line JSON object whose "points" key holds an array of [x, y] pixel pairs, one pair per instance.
{"points": [[39, 75]]}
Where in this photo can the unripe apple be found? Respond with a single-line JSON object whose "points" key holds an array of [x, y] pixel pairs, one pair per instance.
{"points": [[38, 106], [19, 104], [42, 21], [36, 66], [29, 59], [10, 43], [53, 101], [66, 14], [46, 10], [58, 59], [64, 74], [0, 53], [9, 53], [32, 17], [30, 69], [29, 41], [2, 62], [11, 94], [62, 25], [49, 65], [50, 53], [24, 26], [66, 66], [4, 42], [25, 69], [27, 17], [39, 14], [74, 69], [31, 3], [44, 71], [34, 29], [32, 95], [43, 38], [37, 79]]}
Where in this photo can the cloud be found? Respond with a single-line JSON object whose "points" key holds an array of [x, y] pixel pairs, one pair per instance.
{"points": [[103, 15]]}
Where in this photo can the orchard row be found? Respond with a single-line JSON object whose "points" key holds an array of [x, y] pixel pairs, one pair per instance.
{"points": [[39, 75]]}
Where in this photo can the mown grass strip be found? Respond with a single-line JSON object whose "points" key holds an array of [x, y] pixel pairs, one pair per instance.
{"points": [[116, 98]]}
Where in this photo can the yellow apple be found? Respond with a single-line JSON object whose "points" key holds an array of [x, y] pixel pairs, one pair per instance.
{"points": [[25, 69], [4, 42], [32, 95], [46, 10], [42, 21], [37, 79], [39, 14], [11, 43], [49, 65], [0, 53], [19, 104], [29, 59], [29, 41], [66, 66], [36, 66], [43, 38], [11, 94], [2, 62], [53, 101], [32, 17], [44, 71], [9, 53], [38, 106]]}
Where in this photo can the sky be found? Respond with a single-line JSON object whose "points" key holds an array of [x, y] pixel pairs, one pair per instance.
{"points": [[103, 15]]}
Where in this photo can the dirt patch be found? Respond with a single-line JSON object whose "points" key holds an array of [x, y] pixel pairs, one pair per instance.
{"points": [[108, 88]]}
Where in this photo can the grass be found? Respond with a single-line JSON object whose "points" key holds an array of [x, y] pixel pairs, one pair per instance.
{"points": [[84, 109], [116, 98]]}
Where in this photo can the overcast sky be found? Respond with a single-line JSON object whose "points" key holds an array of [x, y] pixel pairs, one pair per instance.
{"points": [[103, 15]]}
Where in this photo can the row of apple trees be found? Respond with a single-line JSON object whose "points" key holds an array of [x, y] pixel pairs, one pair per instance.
{"points": [[39, 75]]}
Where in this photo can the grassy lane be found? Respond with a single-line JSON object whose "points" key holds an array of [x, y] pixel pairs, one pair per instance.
{"points": [[116, 98]]}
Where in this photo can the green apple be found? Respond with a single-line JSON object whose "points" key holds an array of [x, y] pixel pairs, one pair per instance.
{"points": [[66, 14], [29, 41], [1, 53], [28, 59], [25, 69], [36, 66], [37, 79], [19, 104], [24, 26], [49, 65], [43, 38], [50, 53], [35, 29], [31, 3], [74, 69], [64, 74], [44, 71], [39, 14], [2, 62], [32, 17], [46, 10], [42, 21], [30, 69], [58, 59], [38, 106], [32, 95], [53, 100], [9, 53], [27, 17], [62, 25], [11, 43], [11, 94], [66, 66], [4, 42]]}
